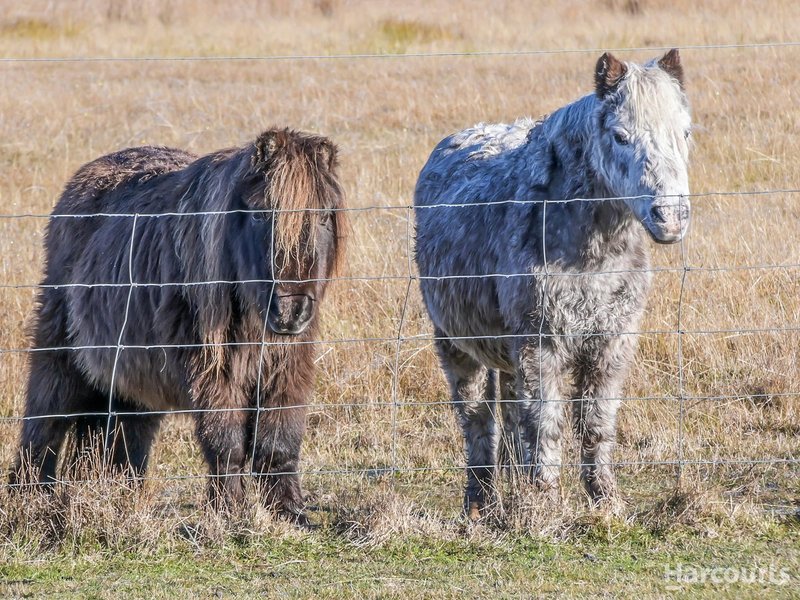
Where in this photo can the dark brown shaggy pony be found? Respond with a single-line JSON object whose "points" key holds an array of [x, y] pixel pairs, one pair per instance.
{"points": [[149, 311]]}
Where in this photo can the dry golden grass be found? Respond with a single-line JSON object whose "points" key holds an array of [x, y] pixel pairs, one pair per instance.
{"points": [[740, 346]]}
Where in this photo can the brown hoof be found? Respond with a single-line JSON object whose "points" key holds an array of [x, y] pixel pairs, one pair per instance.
{"points": [[474, 511], [602, 496]]}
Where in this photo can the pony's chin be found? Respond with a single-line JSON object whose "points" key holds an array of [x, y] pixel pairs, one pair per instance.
{"points": [[287, 331], [666, 241], [660, 236]]}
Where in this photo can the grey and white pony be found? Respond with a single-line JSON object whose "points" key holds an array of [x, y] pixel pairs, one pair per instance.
{"points": [[531, 243]]}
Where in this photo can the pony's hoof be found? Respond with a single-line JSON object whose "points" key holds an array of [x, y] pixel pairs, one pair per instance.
{"points": [[603, 494], [548, 491], [611, 503], [474, 511], [298, 519]]}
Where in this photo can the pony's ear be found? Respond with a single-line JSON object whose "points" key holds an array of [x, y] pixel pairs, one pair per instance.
{"points": [[671, 63], [607, 74], [328, 154], [267, 144]]}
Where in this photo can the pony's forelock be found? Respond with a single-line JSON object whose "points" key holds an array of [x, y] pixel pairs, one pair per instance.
{"points": [[300, 188]]}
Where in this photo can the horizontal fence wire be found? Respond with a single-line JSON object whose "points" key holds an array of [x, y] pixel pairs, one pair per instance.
{"points": [[413, 338], [686, 266], [378, 404], [390, 55], [400, 206], [413, 277], [392, 399], [377, 471]]}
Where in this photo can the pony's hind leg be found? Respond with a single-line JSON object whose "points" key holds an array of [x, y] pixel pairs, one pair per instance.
{"points": [[56, 392], [90, 434], [120, 441], [542, 412], [130, 439], [471, 389], [513, 454]]}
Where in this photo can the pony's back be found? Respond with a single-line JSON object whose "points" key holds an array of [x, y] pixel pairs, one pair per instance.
{"points": [[468, 166], [90, 191]]}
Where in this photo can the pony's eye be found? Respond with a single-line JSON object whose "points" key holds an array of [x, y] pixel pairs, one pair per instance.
{"points": [[687, 134], [621, 139]]}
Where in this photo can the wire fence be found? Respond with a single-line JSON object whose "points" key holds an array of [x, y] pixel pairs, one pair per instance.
{"points": [[407, 281], [410, 278]]}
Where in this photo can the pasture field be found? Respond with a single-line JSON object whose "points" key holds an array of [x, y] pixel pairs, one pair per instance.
{"points": [[715, 386]]}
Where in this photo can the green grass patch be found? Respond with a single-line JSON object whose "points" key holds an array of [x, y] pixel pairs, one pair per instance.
{"points": [[604, 558], [397, 35], [38, 29]]}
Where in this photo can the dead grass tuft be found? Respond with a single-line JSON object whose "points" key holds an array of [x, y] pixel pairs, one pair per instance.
{"points": [[374, 515], [699, 509]]}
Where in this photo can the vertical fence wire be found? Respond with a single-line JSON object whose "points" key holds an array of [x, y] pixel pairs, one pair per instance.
{"points": [[398, 345], [680, 358], [109, 435], [262, 344], [538, 466]]}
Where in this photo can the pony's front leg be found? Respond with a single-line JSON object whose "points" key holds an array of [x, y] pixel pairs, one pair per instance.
{"points": [[538, 385], [599, 386], [471, 386], [597, 427], [223, 435], [276, 458]]}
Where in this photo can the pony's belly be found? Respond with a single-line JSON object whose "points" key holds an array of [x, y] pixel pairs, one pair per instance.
{"points": [[145, 377], [466, 312], [493, 353]]}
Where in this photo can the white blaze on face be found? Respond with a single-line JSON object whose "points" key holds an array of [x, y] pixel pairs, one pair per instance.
{"points": [[643, 146]]}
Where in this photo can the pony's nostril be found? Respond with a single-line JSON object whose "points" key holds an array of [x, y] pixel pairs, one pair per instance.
{"points": [[305, 309], [657, 214]]}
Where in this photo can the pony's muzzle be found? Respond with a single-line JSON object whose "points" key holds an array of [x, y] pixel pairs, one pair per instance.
{"points": [[290, 314], [669, 221]]}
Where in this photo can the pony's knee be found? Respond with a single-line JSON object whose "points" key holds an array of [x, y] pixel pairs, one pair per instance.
{"points": [[598, 425], [226, 491], [280, 438], [543, 421], [131, 442]]}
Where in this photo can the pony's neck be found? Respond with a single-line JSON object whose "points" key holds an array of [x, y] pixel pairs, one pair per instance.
{"points": [[610, 225], [569, 132]]}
